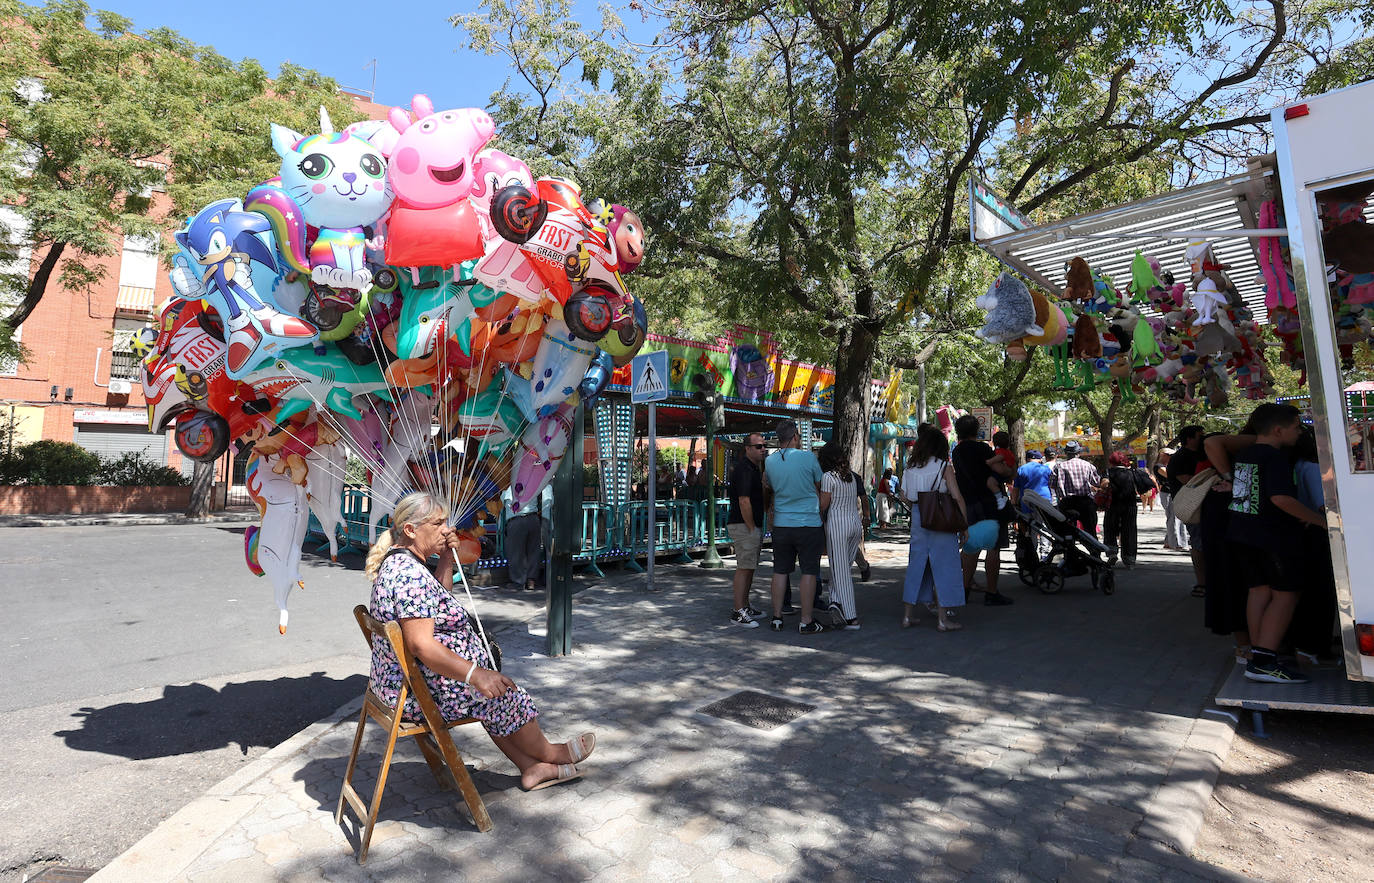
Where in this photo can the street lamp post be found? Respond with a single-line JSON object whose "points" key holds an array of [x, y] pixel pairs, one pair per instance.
{"points": [[713, 410]]}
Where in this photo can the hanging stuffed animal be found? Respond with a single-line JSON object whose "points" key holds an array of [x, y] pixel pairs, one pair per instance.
{"points": [[1010, 309], [1048, 317], [1211, 286], [1078, 284], [1087, 343]]}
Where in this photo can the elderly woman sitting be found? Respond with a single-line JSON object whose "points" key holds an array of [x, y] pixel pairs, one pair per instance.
{"points": [[452, 654]]}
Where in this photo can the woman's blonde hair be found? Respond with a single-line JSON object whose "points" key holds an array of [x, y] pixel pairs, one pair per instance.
{"points": [[411, 509]]}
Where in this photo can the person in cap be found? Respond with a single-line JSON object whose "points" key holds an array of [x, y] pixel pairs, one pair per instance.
{"points": [[1075, 481]]}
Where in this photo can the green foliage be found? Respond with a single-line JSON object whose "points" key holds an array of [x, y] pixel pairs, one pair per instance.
{"points": [[50, 462], [803, 167], [355, 471], [134, 469], [95, 118], [591, 475]]}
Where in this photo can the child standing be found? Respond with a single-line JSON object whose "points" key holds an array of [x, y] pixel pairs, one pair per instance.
{"points": [[1266, 525]]}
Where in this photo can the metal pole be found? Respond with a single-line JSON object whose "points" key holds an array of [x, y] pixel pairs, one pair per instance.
{"points": [[711, 560], [567, 538], [653, 502]]}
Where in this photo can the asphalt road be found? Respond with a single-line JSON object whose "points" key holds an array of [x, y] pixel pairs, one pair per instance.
{"points": [[144, 665]]}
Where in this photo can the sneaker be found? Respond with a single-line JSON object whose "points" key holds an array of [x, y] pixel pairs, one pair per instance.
{"points": [[836, 612], [776, 624], [1270, 671], [996, 600], [789, 610], [853, 624], [865, 572], [811, 628], [743, 619], [752, 612]]}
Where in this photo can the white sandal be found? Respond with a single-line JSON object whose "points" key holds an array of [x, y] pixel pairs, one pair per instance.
{"points": [[581, 748]]}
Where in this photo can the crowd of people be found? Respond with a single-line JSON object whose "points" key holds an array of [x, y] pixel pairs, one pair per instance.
{"points": [[1257, 542]]}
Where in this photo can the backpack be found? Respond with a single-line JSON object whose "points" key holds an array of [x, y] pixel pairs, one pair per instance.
{"points": [[1143, 484]]}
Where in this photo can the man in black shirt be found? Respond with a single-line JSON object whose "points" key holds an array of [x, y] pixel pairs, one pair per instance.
{"points": [[1266, 522], [745, 525], [978, 466], [1183, 466]]}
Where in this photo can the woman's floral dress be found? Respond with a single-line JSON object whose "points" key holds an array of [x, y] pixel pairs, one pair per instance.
{"points": [[405, 589]]}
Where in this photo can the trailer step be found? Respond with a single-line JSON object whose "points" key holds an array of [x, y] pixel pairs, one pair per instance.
{"points": [[1329, 690]]}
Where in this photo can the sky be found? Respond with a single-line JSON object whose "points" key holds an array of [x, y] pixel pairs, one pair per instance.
{"points": [[417, 50]]}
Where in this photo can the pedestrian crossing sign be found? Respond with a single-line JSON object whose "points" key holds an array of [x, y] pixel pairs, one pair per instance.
{"points": [[649, 377]]}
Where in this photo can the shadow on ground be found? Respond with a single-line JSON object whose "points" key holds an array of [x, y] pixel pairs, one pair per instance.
{"points": [[194, 717]]}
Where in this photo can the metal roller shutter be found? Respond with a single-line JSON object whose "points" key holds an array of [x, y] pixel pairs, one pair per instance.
{"points": [[110, 441]]}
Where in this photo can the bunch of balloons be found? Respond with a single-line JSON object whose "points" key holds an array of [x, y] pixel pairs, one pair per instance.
{"points": [[402, 293], [1192, 340]]}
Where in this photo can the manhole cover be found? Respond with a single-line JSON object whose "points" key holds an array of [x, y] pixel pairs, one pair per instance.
{"points": [[757, 710], [62, 874]]}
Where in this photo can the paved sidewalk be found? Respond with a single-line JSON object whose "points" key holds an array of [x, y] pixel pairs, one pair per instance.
{"points": [[126, 519], [1060, 738]]}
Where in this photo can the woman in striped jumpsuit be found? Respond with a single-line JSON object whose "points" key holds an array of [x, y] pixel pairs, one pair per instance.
{"points": [[845, 511]]}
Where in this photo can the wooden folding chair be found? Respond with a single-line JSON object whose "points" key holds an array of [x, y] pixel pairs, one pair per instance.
{"points": [[443, 758]]}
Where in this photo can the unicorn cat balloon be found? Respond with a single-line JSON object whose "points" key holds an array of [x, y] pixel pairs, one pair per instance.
{"points": [[337, 183]]}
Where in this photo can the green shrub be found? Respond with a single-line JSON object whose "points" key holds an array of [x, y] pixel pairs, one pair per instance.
{"points": [[134, 469], [51, 462]]}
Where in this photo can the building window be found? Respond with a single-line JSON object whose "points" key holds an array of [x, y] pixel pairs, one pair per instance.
{"points": [[137, 275], [124, 365]]}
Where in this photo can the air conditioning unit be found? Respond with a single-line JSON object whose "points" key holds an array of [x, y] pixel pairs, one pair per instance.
{"points": [[121, 387]]}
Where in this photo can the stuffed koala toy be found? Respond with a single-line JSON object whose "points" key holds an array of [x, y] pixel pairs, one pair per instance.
{"points": [[1010, 309]]}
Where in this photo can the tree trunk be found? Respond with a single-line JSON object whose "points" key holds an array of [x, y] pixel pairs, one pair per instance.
{"points": [[1153, 441], [1016, 428], [38, 285], [853, 379], [202, 488]]}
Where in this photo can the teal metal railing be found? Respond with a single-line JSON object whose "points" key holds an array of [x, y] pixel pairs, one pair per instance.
{"points": [[610, 534]]}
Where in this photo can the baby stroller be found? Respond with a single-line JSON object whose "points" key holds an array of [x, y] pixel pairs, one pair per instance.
{"points": [[1077, 551]]}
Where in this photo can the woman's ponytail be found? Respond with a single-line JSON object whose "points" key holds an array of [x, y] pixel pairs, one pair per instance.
{"points": [[376, 554]]}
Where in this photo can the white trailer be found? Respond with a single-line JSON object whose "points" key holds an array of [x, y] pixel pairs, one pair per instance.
{"points": [[1320, 147]]}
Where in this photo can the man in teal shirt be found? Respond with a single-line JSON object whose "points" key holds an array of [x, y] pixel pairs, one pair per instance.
{"points": [[793, 477]]}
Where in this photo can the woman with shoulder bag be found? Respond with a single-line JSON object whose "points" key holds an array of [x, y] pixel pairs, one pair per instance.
{"points": [[938, 522]]}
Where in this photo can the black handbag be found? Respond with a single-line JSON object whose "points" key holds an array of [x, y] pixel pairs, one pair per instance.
{"points": [[938, 510]]}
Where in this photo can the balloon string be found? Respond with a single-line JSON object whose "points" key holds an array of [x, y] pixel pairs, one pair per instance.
{"points": [[321, 408]]}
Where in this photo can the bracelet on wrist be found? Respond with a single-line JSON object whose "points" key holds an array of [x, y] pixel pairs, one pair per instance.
{"points": [[467, 678]]}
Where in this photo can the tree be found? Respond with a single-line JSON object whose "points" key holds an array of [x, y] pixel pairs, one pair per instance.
{"points": [[94, 119], [809, 158]]}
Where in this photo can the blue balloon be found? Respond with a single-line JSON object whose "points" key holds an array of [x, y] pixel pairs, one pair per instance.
{"points": [[596, 378], [981, 535]]}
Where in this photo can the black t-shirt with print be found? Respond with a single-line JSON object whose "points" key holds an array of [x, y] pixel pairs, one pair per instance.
{"points": [[1262, 472]]}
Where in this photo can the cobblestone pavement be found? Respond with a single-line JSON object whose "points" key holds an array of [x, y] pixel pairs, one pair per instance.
{"points": [[1059, 738]]}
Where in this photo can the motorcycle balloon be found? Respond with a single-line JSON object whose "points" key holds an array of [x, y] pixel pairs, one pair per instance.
{"points": [[202, 436], [588, 314], [517, 214]]}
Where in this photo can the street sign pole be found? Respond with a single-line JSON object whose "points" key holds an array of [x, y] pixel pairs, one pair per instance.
{"points": [[649, 384], [653, 503]]}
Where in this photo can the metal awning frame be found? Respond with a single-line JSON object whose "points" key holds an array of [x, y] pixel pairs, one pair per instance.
{"points": [[1224, 212]]}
